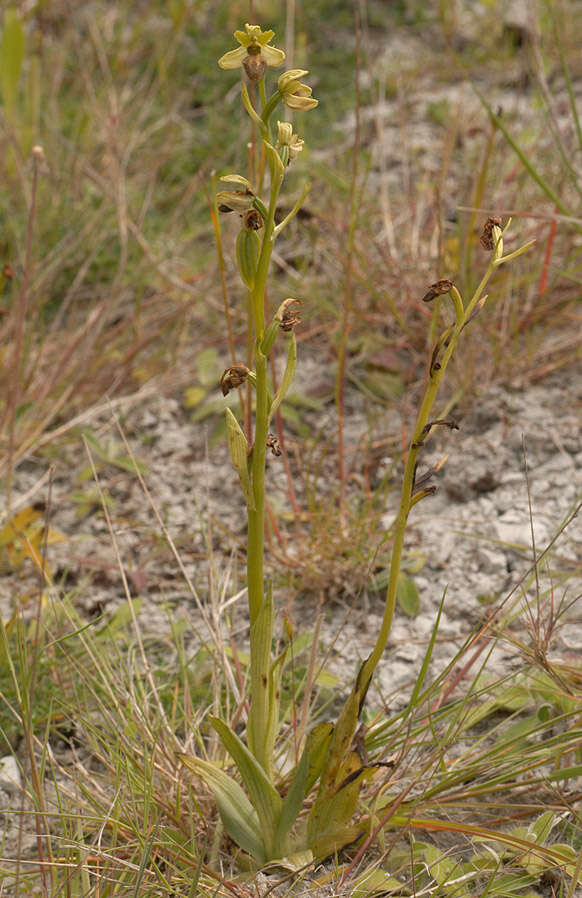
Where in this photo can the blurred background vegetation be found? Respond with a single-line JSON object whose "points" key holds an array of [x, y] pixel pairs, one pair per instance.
{"points": [[133, 116], [431, 117]]}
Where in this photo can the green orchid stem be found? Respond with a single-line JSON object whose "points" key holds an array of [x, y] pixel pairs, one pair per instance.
{"points": [[271, 106], [258, 724], [462, 317]]}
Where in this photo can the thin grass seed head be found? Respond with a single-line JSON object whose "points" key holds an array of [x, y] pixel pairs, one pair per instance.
{"points": [[254, 53]]}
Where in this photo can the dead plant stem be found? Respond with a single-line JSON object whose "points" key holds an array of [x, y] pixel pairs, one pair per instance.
{"points": [[348, 298], [21, 310]]}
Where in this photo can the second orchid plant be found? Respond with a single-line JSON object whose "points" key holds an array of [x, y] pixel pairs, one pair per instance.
{"points": [[265, 823]]}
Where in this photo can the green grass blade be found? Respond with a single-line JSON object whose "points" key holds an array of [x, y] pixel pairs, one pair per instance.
{"points": [[426, 661], [533, 172], [11, 59], [569, 87]]}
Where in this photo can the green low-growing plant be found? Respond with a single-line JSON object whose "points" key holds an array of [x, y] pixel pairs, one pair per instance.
{"points": [[267, 825]]}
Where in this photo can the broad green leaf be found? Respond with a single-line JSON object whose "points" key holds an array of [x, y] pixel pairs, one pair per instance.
{"points": [[193, 396], [287, 377], [239, 453], [293, 801], [342, 806], [316, 748], [330, 843], [336, 756], [297, 861], [375, 882], [407, 594], [542, 827], [264, 797], [413, 562], [304, 776], [236, 812], [512, 698], [11, 58], [120, 619]]}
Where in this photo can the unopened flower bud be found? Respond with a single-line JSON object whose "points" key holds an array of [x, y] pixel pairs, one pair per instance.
{"points": [[294, 93], [288, 143], [248, 246]]}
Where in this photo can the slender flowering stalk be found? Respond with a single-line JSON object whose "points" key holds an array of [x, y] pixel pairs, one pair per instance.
{"points": [[343, 735], [254, 248]]}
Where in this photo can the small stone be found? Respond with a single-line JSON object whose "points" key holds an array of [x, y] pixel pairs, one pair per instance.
{"points": [[10, 779]]}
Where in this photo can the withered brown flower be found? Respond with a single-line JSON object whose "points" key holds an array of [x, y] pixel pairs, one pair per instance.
{"points": [[486, 238], [290, 316], [273, 444], [233, 377], [252, 220], [439, 288]]}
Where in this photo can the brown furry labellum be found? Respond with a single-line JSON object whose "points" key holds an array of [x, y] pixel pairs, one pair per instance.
{"points": [[233, 377], [254, 65], [252, 220], [439, 288], [486, 239]]}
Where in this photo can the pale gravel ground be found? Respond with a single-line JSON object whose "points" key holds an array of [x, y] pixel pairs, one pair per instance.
{"points": [[475, 542]]}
